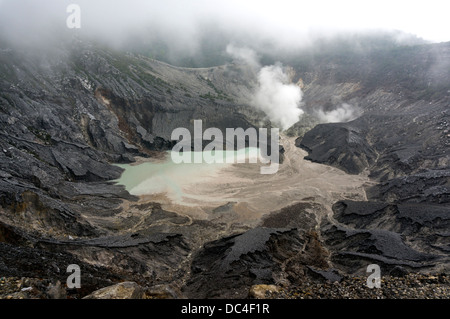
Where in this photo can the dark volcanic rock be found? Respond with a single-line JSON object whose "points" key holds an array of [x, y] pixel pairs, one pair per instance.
{"points": [[93, 107], [146, 257], [341, 145], [300, 216], [153, 257], [20, 261], [403, 99], [432, 186], [379, 215], [330, 275], [398, 271], [66, 118], [389, 146], [353, 250], [371, 231], [227, 267], [401, 139]]}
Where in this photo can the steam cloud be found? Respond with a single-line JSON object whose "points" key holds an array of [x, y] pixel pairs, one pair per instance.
{"points": [[345, 113], [244, 55], [180, 31], [274, 95], [278, 98], [288, 25]]}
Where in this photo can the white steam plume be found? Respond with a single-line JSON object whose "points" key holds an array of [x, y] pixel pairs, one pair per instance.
{"points": [[244, 55], [345, 113], [275, 95]]}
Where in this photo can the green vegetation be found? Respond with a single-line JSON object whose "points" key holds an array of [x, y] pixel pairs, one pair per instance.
{"points": [[212, 97], [220, 95], [208, 96]]}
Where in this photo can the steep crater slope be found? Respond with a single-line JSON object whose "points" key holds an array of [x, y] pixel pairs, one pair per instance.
{"points": [[401, 140], [65, 117]]}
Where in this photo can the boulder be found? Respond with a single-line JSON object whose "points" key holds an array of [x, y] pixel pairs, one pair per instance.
{"points": [[262, 291], [123, 290]]}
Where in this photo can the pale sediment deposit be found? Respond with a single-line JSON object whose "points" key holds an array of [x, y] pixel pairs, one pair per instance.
{"points": [[238, 192]]}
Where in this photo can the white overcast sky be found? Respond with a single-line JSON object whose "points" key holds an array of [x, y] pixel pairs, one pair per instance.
{"points": [[427, 19]]}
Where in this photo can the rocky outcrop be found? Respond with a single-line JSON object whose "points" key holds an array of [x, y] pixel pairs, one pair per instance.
{"points": [[123, 290], [90, 108], [262, 291], [259, 256], [430, 186], [23, 261], [404, 122], [154, 258], [401, 141], [341, 145], [64, 122], [414, 236]]}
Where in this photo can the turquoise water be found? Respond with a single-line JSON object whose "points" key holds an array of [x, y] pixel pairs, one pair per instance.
{"points": [[166, 176]]}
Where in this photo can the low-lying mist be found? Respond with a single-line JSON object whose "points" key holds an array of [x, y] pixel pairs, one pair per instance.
{"points": [[268, 37], [344, 113], [193, 33]]}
